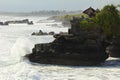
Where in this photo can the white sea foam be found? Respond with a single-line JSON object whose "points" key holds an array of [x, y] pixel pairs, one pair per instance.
{"points": [[22, 47], [5, 55], [13, 53]]}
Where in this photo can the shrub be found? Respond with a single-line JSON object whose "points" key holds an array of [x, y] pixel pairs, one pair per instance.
{"points": [[109, 21]]}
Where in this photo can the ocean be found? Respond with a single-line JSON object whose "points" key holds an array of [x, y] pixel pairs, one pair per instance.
{"points": [[16, 41]]}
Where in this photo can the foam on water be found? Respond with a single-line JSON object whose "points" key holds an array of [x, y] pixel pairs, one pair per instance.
{"points": [[19, 71], [10, 54], [5, 55], [22, 47]]}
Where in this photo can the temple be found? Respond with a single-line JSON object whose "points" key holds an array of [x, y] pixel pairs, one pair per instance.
{"points": [[91, 12]]}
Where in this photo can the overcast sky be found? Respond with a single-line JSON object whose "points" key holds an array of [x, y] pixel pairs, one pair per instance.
{"points": [[36, 5]]}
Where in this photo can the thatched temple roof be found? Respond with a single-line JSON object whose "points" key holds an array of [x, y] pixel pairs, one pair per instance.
{"points": [[90, 12]]}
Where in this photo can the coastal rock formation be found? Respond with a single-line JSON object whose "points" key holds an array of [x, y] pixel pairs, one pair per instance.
{"points": [[42, 33], [20, 21], [17, 22], [30, 22], [78, 47], [39, 33], [3, 23]]}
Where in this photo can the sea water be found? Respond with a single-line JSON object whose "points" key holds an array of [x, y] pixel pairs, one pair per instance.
{"points": [[16, 41]]}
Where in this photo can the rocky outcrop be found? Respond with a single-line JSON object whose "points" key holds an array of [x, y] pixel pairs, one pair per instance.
{"points": [[17, 22], [30, 22], [78, 47], [69, 51], [20, 21], [42, 33], [3, 23]]}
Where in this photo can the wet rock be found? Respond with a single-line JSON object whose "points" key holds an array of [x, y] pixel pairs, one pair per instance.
{"points": [[30, 23], [39, 33], [69, 51], [51, 33], [42, 33], [1, 23], [114, 49], [18, 22], [6, 23]]}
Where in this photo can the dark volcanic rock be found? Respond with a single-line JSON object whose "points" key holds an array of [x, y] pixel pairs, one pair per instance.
{"points": [[30, 23], [39, 33], [51, 33], [42, 33], [78, 47], [3, 23], [19, 22], [114, 48], [6, 23]]}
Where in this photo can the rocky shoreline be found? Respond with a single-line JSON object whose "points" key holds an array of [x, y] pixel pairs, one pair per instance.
{"points": [[17, 22]]}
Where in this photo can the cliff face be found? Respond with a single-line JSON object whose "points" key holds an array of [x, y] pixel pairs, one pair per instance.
{"points": [[78, 47]]}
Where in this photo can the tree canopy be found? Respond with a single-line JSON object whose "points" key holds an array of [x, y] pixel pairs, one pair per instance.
{"points": [[108, 20]]}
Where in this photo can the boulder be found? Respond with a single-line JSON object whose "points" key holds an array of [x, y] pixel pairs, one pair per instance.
{"points": [[43, 33], [30, 23], [39, 33]]}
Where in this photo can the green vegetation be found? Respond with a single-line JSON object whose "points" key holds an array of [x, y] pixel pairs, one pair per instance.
{"points": [[85, 24], [88, 24], [108, 20]]}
